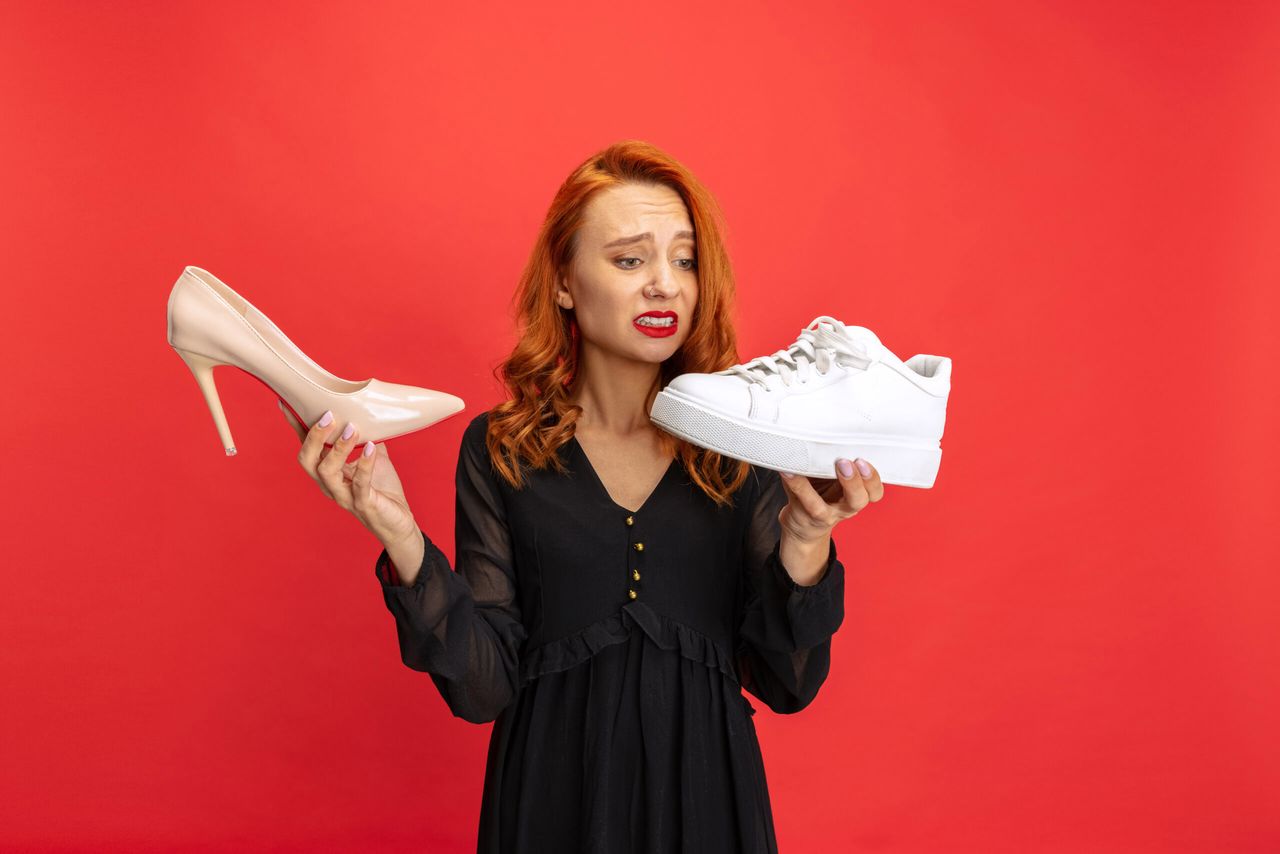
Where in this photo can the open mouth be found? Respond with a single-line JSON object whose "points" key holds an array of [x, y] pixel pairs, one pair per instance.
{"points": [[657, 324]]}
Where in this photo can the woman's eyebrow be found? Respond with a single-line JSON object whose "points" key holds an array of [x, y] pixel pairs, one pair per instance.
{"points": [[648, 235]]}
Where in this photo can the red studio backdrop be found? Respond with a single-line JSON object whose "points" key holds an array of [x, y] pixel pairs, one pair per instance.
{"points": [[1069, 644]]}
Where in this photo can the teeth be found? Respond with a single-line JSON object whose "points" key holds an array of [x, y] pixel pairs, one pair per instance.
{"points": [[655, 321]]}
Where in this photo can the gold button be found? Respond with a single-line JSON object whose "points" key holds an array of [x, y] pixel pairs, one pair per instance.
{"points": [[631, 593], [631, 520], [635, 573], [639, 547]]}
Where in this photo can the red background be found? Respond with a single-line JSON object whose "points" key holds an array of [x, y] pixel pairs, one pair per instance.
{"points": [[1068, 645]]}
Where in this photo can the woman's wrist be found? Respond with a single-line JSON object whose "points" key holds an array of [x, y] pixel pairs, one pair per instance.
{"points": [[804, 560], [406, 556]]}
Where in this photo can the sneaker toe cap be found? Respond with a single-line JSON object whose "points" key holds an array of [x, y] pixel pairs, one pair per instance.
{"points": [[722, 392]]}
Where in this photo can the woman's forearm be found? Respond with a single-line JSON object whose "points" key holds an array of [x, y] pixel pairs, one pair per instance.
{"points": [[406, 557]]}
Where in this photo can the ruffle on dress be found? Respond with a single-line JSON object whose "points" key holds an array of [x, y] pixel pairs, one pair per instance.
{"points": [[567, 652]]}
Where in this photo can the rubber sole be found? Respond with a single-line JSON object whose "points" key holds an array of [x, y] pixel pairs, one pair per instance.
{"points": [[897, 462]]}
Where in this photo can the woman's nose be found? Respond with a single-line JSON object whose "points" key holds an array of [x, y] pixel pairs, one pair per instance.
{"points": [[663, 284]]}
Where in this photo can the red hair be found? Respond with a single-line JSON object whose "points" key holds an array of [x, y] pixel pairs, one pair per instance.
{"points": [[539, 417]]}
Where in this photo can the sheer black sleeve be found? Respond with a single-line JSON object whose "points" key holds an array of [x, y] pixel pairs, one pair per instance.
{"points": [[463, 628], [784, 647]]}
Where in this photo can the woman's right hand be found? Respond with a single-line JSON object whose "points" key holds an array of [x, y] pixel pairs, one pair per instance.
{"points": [[369, 487]]}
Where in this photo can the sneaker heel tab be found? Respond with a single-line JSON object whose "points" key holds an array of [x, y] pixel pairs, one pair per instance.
{"points": [[933, 368]]}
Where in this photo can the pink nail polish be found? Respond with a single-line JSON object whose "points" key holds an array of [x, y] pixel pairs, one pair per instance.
{"points": [[326, 419]]}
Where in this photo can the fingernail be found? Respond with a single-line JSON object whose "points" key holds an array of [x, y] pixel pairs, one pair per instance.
{"points": [[786, 474], [327, 418], [351, 428], [864, 467], [368, 448], [846, 467]]}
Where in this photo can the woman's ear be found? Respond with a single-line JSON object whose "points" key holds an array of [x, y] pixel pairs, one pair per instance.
{"points": [[563, 298]]}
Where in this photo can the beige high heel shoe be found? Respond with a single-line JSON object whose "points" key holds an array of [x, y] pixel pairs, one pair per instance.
{"points": [[210, 325]]}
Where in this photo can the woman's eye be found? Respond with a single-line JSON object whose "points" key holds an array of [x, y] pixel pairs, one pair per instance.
{"points": [[690, 263]]}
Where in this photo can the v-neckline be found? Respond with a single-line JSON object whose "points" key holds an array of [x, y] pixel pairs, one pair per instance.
{"points": [[582, 452]]}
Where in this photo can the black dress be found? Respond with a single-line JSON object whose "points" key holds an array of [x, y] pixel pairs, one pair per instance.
{"points": [[619, 721]]}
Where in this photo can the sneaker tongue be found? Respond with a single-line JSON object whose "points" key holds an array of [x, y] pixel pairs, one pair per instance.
{"points": [[864, 336], [858, 336]]}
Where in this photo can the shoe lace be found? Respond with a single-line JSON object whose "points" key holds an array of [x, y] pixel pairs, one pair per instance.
{"points": [[821, 343]]}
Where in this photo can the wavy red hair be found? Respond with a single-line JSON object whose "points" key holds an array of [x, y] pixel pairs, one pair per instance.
{"points": [[539, 417]]}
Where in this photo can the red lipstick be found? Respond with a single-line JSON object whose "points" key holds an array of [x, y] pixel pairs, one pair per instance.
{"points": [[657, 331]]}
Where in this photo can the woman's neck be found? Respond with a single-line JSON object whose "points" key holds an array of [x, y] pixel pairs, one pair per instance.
{"points": [[613, 396]]}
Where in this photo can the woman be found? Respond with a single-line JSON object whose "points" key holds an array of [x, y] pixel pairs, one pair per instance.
{"points": [[616, 587]]}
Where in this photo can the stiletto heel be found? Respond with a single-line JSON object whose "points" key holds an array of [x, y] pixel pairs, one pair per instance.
{"points": [[202, 367], [210, 325]]}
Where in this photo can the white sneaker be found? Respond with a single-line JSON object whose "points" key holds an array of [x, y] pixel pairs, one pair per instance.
{"points": [[836, 392]]}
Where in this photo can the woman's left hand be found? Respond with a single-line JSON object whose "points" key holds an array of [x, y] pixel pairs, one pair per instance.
{"points": [[816, 505]]}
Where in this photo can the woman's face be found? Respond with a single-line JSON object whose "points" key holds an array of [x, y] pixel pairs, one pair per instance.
{"points": [[635, 254]]}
